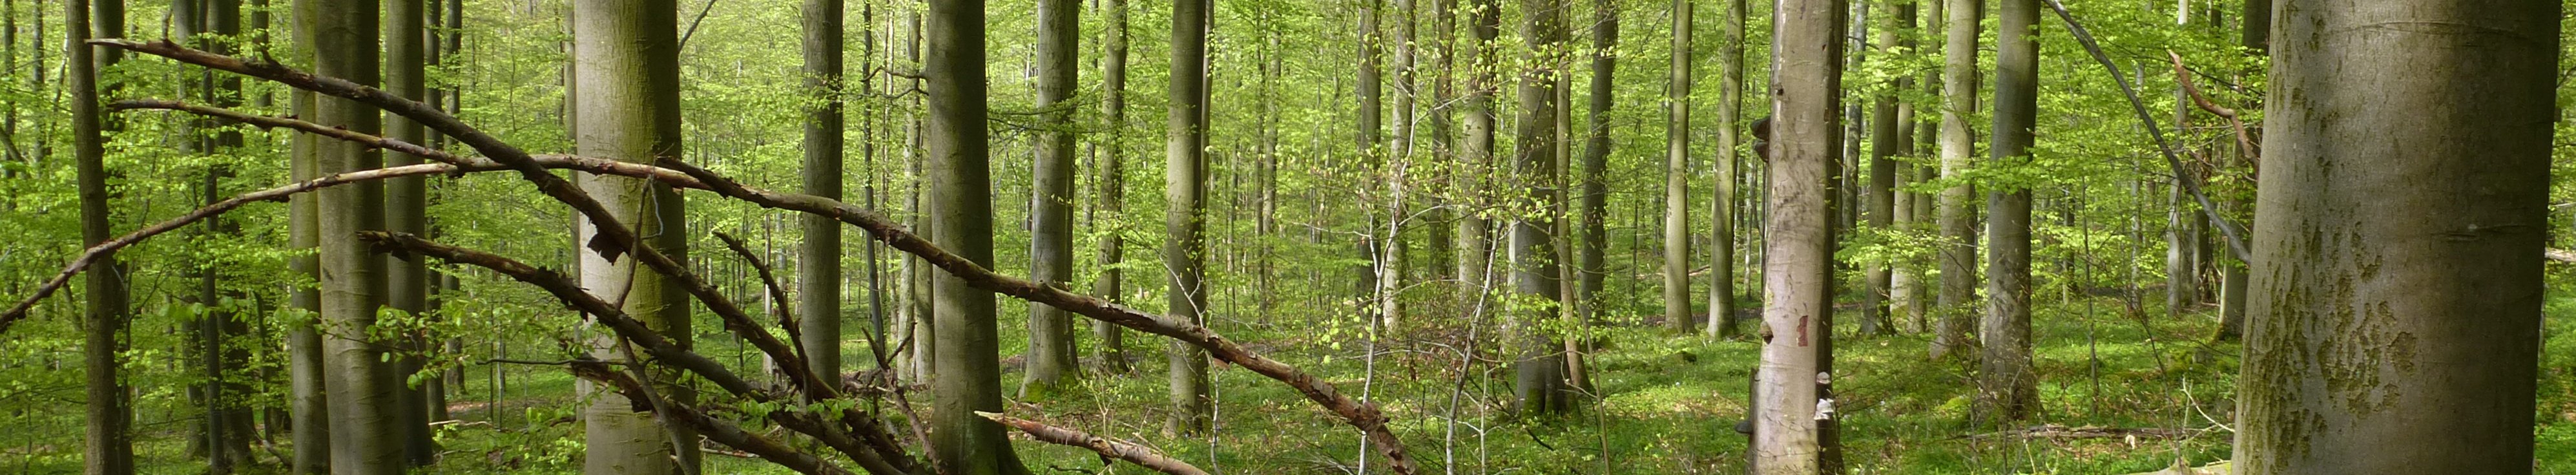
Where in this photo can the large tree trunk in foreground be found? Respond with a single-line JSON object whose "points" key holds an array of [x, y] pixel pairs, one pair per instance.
{"points": [[627, 72], [2396, 306], [958, 192], [2007, 389], [1185, 209], [1958, 220], [1592, 205], [1476, 147], [1790, 433], [818, 270], [1051, 352], [109, 437]]}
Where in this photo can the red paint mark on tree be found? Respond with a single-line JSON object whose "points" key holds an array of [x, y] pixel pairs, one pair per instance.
{"points": [[1802, 331]]}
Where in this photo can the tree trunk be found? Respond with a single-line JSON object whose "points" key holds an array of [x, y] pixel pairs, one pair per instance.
{"points": [[407, 284], [1729, 164], [2007, 388], [1903, 286], [1392, 285], [308, 403], [818, 270], [1051, 348], [1593, 206], [1788, 436], [1958, 253], [1111, 197], [365, 414], [1185, 211], [109, 436], [1540, 369], [626, 67], [1885, 143], [959, 194], [1677, 268], [1476, 148], [2405, 207]]}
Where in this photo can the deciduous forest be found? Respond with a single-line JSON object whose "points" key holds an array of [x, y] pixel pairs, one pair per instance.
{"points": [[1017, 237]]}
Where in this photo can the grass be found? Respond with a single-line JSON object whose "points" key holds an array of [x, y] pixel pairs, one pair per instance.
{"points": [[1667, 405]]}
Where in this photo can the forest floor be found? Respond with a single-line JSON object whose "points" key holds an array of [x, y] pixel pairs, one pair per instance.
{"points": [[1668, 404]]}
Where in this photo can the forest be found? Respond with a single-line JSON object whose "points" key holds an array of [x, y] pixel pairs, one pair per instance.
{"points": [[980, 237]]}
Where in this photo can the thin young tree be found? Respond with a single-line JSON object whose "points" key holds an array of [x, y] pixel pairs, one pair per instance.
{"points": [[108, 437], [957, 187], [2007, 387], [1051, 352], [1798, 237], [1958, 248], [626, 72], [1677, 87], [1185, 211], [2404, 211], [818, 268]]}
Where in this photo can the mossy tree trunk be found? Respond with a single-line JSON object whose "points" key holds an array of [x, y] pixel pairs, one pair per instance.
{"points": [[2394, 321]]}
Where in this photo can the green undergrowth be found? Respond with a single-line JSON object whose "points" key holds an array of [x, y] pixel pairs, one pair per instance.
{"points": [[1666, 404]]}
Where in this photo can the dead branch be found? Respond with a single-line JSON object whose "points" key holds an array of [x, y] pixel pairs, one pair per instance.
{"points": [[2235, 237], [2244, 141], [617, 238], [631, 330], [777, 294], [2054, 431], [20, 311], [720, 431], [1132, 453]]}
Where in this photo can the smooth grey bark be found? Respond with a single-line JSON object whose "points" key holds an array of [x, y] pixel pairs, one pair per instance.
{"points": [[2007, 386], [1440, 242], [1111, 198], [1051, 348], [1592, 205], [1185, 211], [2182, 243], [1476, 147], [1792, 433], [1903, 291], [1879, 194], [1722, 200], [108, 438], [1392, 262], [408, 282], [308, 403], [1677, 268], [958, 189], [1958, 217], [2395, 313], [365, 415], [818, 270], [1540, 369], [626, 72]]}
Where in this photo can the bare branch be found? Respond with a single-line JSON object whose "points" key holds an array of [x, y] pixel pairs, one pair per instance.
{"points": [[720, 431], [1140, 455], [777, 295], [617, 238]]}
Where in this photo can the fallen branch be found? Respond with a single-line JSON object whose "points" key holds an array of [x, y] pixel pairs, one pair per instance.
{"points": [[1132, 453], [631, 330], [719, 431], [1365, 417], [2054, 431], [777, 295]]}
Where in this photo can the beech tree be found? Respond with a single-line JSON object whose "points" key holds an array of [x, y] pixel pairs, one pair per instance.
{"points": [[2371, 279], [1789, 437]]}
